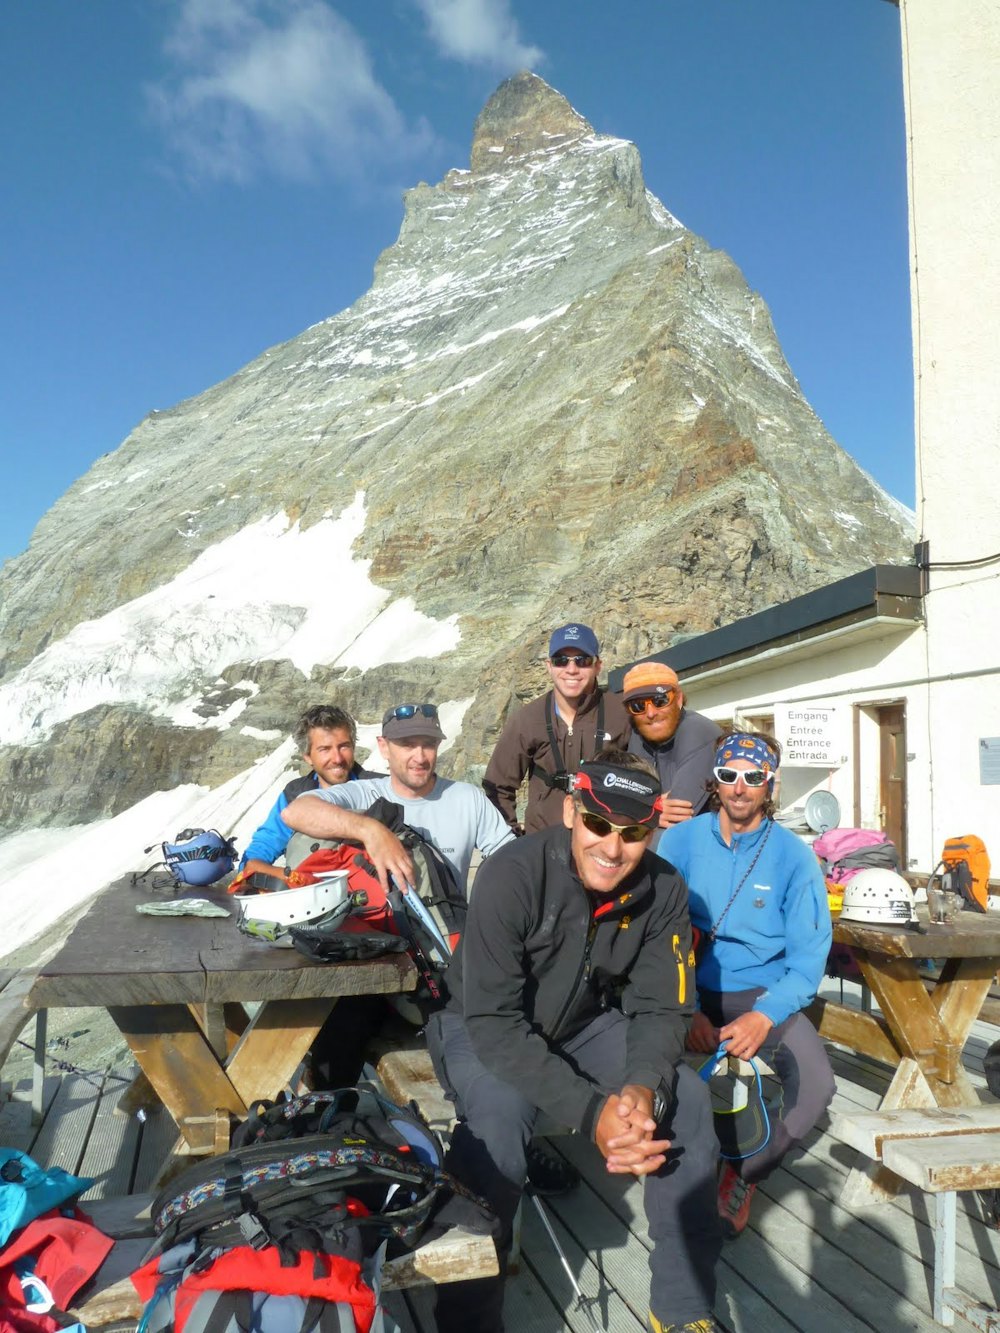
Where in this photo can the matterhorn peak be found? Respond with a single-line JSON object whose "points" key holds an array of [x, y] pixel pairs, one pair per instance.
{"points": [[523, 115]]}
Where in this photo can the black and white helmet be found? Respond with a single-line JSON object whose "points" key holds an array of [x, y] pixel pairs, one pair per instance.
{"points": [[878, 896]]}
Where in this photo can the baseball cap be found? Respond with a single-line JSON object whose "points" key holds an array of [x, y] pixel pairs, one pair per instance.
{"points": [[644, 679], [623, 795], [575, 636], [406, 720]]}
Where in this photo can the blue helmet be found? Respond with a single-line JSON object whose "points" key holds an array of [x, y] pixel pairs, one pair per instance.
{"points": [[199, 856]]}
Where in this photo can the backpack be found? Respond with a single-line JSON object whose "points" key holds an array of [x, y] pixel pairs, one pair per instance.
{"points": [[430, 917], [301, 1209], [964, 868], [845, 851]]}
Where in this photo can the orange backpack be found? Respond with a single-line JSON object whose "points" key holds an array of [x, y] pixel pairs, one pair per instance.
{"points": [[965, 868]]}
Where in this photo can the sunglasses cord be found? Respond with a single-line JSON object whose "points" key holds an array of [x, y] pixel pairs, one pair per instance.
{"points": [[746, 875]]}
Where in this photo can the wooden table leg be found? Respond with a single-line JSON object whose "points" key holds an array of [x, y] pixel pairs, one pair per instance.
{"points": [[182, 1068], [274, 1045], [930, 1031]]}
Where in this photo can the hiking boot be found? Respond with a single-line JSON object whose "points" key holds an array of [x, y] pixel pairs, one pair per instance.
{"points": [[548, 1174], [735, 1195], [699, 1326]]}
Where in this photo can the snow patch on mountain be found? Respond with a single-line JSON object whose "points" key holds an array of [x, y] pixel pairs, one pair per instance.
{"points": [[273, 590]]}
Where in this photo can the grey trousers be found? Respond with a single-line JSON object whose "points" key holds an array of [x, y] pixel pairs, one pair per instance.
{"points": [[798, 1057], [488, 1153]]}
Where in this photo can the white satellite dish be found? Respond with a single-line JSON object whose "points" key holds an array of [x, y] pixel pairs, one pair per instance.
{"points": [[822, 811]]}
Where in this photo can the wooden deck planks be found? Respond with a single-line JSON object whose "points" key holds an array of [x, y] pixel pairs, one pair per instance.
{"points": [[113, 1144], [805, 1265]]}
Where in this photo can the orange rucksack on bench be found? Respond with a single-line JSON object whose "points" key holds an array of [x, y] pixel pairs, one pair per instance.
{"points": [[965, 868]]}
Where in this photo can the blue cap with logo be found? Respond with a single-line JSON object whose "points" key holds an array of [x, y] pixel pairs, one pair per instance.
{"points": [[581, 637]]}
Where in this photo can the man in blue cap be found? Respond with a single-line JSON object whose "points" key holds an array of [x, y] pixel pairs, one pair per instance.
{"points": [[550, 737]]}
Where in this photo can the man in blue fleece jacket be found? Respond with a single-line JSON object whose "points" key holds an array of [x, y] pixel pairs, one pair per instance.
{"points": [[757, 896]]}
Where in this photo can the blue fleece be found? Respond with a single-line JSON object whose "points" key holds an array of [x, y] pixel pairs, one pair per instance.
{"points": [[777, 933], [273, 836]]}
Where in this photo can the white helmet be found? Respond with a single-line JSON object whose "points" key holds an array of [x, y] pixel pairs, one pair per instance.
{"points": [[879, 896], [269, 915]]}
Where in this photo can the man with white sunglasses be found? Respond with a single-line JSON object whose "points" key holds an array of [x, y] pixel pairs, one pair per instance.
{"points": [[758, 899]]}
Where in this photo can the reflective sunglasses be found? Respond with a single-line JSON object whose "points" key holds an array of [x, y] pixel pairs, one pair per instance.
{"points": [[601, 827], [404, 711], [659, 699], [752, 777], [564, 659]]}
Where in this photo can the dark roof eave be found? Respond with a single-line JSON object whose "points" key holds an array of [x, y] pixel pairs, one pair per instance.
{"points": [[881, 592]]}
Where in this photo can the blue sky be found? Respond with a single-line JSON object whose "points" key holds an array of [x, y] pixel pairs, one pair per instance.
{"points": [[188, 183]]}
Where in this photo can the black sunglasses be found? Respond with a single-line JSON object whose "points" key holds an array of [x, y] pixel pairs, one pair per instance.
{"points": [[659, 699], [564, 659], [601, 827], [404, 711], [752, 777]]}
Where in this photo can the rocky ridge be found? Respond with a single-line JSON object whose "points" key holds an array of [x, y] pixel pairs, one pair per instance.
{"points": [[554, 402]]}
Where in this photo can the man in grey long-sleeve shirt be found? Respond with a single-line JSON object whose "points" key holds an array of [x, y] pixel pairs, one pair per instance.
{"points": [[679, 744]]}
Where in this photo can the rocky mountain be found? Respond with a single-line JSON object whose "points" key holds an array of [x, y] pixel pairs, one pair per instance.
{"points": [[554, 402]]}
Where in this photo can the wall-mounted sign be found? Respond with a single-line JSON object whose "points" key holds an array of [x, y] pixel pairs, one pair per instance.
{"points": [[989, 761], [811, 736]]}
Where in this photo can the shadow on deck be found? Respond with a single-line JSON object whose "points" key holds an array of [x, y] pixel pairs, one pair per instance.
{"points": [[804, 1265]]}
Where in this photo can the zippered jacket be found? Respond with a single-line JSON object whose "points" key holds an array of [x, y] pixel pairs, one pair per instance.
{"points": [[777, 932], [524, 747], [541, 956]]}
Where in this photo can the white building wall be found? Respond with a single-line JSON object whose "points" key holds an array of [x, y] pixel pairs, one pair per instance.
{"points": [[947, 672], [951, 75], [886, 668]]}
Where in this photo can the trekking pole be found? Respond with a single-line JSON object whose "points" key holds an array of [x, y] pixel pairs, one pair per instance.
{"points": [[583, 1303]]}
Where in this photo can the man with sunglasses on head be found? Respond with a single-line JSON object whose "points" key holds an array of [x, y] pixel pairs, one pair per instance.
{"points": [[570, 993], [552, 735], [455, 816], [678, 743], [757, 896]]}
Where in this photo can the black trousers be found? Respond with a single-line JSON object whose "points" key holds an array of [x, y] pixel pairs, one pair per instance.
{"points": [[488, 1154]]}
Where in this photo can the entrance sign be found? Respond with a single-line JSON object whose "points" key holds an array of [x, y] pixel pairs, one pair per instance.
{"points": [[811, 736]]}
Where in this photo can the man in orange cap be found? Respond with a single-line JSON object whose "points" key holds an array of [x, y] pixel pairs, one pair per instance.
{"points": [[678, 743]]}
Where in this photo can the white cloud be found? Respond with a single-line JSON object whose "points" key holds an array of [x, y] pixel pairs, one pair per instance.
{"points": [[479, 32], [286, 88]]}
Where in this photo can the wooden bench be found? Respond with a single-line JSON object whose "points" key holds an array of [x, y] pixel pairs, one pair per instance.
{"points": [[15, 1014], [941, 1151]]}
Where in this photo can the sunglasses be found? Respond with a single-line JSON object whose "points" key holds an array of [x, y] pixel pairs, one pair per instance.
{"points": [[752, 777], [564, 659], [661, 699], [601, 827], [404, 711]]}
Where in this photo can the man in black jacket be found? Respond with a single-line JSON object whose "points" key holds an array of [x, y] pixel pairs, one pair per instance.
{"points": [[571, 992]]}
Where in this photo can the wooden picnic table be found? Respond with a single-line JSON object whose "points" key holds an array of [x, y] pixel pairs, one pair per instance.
{"points": [[921, 1032], [176, 987]]}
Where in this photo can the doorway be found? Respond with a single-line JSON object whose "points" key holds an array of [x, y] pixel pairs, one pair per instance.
{"points": [[892, 775]]}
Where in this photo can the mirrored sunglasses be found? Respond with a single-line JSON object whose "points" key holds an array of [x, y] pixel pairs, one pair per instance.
{"points": [[752, 777], [410, 710], [601, 827], [564, 659], [659, 699]]}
